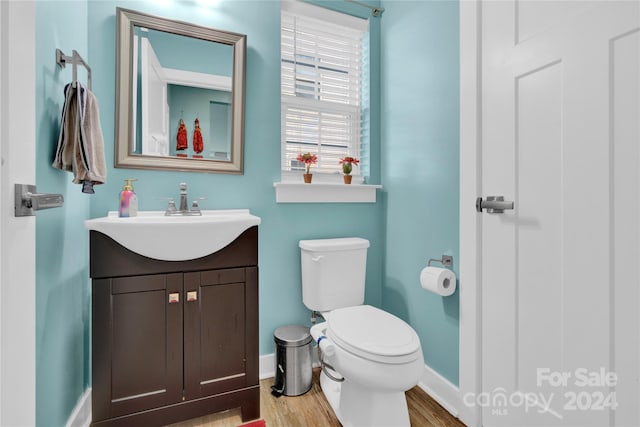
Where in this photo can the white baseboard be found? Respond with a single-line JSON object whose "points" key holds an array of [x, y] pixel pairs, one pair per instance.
{"points": [[81, 415], [441, 390], [267, 366]]}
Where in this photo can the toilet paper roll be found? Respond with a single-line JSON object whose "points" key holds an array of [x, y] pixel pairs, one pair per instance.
{"points": [[441, 281]]}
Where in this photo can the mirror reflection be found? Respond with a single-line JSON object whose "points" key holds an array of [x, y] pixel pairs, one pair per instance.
{"points": [[183, 96], [180, 95]]}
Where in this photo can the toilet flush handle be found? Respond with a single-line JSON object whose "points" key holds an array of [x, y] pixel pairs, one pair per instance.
{"points": [[317, 258]]}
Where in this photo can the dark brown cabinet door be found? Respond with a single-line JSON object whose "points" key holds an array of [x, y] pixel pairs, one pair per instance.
{"points": [[138, 343], [215, 332]]}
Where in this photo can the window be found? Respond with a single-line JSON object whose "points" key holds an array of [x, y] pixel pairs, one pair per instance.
{"points": [[324, 68]]}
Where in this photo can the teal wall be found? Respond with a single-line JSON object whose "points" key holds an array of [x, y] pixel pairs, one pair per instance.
{"points": [[63, 298], [420, 172]]}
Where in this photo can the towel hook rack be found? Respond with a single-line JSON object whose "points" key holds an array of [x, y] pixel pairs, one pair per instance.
{"points": [[74, 59]]}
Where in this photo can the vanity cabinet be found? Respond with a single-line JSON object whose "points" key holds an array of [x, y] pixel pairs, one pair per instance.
{"points": [[173, 340]]}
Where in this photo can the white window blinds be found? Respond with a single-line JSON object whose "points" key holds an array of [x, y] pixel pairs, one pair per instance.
{"points": [[322, 79]]}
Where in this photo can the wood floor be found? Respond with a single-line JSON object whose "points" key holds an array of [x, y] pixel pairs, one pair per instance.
{"points": [[312, 410]]}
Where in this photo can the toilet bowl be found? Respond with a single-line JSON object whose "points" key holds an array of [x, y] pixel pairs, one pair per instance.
{"points": [[369, 357], [378, 355]]}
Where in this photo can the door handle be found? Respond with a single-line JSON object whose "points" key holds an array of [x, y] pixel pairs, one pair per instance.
{"points": [[27, 201], [493, 204]]}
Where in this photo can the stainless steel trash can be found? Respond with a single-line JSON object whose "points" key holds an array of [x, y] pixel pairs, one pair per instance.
{"points": [[293, 361]]}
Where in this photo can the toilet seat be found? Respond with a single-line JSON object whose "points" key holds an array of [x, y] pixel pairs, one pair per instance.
{"points": [[373, 334]]}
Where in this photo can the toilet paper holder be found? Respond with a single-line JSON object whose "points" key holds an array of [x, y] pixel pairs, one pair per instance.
{"points": [[446, 260]]}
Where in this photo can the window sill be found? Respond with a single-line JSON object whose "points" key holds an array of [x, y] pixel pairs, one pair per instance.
{"points": [[298, 192]]}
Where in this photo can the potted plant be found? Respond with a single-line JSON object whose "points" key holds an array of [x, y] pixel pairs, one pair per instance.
{"points": [[347, 166], [308, 159]]}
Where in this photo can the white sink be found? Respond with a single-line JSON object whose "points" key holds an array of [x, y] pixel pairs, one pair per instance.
{"points": [[175, 238]]}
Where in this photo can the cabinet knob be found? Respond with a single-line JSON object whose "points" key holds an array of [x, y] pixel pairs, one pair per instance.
{"points": [[174, 298], [192, 296]]}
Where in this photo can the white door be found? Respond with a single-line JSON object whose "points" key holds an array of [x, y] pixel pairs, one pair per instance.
{"points": [[155, 111], [560, 273], [17, 243]]}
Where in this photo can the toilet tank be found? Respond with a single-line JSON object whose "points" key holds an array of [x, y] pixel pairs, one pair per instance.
{"points": [[333, 272]]}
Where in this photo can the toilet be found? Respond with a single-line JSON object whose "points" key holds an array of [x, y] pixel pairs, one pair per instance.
{"points": [[369, 357]]}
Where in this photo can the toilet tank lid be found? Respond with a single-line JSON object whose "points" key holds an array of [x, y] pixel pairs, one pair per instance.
{"points": [[341, 244]]}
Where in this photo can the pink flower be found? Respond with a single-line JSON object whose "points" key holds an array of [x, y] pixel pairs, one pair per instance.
{"points": [[308, 159], [349, 160], [347, 164]]}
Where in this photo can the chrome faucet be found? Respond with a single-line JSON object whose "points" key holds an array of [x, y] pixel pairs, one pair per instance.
{"points": [[183, 196], [183, 210]]}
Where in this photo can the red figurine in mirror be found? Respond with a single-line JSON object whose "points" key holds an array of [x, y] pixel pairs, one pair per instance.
{"points": [[182, 142], [198, 143]]}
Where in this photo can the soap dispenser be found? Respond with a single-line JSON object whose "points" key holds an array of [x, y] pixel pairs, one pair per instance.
{"points": [[128, 200]]}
